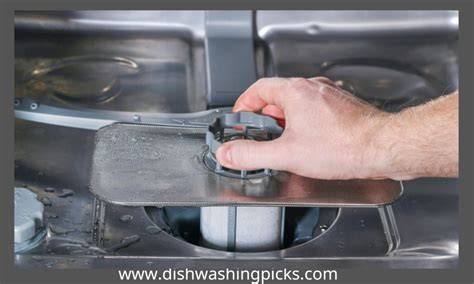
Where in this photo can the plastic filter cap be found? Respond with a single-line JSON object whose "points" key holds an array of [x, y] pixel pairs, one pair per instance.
{"points": [[28, 214]]}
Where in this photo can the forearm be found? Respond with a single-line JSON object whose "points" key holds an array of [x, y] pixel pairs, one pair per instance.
{"points": [[421, 141]]}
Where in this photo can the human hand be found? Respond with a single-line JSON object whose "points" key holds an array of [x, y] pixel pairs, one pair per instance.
{"points": [[328, 132], [331, 134]]}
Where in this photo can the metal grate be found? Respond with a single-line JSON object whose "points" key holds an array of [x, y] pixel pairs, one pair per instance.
{"points": [[145, 165]]}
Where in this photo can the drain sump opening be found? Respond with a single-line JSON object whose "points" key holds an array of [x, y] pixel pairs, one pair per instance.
{"points": [[300, 225]]}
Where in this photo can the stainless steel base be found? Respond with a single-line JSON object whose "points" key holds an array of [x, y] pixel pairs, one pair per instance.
{"points": [[101, 236]]}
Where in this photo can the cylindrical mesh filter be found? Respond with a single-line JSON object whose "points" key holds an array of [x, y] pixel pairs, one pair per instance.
{"points": [[242, 229]]}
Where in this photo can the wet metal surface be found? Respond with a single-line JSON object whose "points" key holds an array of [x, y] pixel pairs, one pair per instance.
{"points": [[133, 72]]}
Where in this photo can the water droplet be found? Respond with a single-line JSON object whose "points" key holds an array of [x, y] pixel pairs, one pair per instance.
{"points": [[56, 229], [153, 230], [65, 192], [131, 239], [126, 218], [125, 242], [37, 258], [49, 189], [46, 201]]}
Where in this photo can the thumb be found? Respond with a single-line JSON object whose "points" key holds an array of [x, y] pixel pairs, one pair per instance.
{"points": [[251, 155]]}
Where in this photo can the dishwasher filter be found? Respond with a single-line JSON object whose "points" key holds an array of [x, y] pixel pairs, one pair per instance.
{"points": [[154, 165]]}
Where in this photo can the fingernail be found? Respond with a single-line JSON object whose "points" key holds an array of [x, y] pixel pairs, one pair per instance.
{"points": [[223, 155]]}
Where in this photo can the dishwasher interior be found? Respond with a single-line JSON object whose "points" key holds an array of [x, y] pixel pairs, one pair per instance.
{"points": [[82, 75]]}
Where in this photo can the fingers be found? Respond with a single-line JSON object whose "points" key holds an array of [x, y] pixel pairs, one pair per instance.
{"points": [[273, 111], [267, 91], [276, 113], [250, 155], [271, 91]]}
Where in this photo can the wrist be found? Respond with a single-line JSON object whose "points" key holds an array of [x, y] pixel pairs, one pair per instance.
{"points": [[400, 146], [382, 150]]}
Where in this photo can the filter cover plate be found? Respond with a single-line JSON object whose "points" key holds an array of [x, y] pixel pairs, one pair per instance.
{"points": [[151, 165]]}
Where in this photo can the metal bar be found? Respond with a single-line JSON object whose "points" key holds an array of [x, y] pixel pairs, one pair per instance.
{"points": [[390, 227], [231, 227], [28, 109]]}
